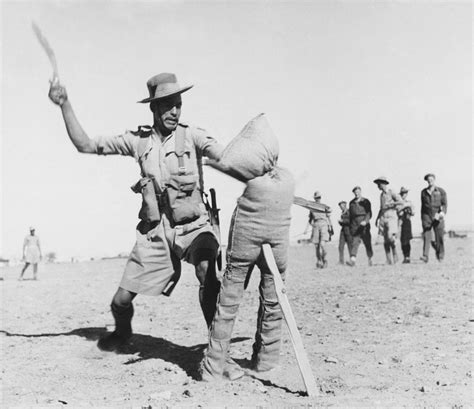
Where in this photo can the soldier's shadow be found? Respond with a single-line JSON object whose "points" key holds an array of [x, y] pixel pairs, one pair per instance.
{"points": [[143, 347]]}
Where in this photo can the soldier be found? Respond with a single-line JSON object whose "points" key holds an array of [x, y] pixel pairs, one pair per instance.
{"points": [[174, 222], [345, 235], [434, 205], [388, 218], [405, 212], [360, 213], [322, 231], [31, 253]]}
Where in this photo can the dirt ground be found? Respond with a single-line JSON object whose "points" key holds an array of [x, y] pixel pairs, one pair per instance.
{"points": [[380, 336]]}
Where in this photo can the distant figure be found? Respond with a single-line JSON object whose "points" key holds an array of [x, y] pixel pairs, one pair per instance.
{"points": [[360, 213], [31, 253], [321, 232], [405, 212], [345, 235], [388, 218], [434, 204]]}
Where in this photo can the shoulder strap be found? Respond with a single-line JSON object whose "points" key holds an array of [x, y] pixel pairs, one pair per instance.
{"points": [[180, 139]]}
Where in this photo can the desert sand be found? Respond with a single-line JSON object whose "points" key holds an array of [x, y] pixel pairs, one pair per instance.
{"points": [[384, 336]]}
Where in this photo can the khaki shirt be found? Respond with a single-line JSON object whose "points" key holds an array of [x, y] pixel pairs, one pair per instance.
{"points": [[159, 159], [389, 201]]}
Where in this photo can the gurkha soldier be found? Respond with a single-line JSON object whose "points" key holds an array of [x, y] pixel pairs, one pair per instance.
{"points": [[321, 232], [388, 218], [405, 213], [174, 222], [345, 235]]}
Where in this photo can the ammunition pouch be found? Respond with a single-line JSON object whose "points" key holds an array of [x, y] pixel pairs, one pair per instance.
{"points": [[150, 211], [183, 200]]}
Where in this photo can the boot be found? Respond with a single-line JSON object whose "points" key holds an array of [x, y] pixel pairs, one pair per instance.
{"points": [[389, 257], [123, 328]]}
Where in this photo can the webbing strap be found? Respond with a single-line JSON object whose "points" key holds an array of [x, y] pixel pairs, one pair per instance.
{"points": [[180, 139]]}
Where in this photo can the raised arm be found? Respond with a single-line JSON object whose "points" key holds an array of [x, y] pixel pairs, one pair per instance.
{"points": [[79, 138]]}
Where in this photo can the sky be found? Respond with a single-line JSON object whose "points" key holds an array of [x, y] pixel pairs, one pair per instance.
{"points": [[353, 91]]}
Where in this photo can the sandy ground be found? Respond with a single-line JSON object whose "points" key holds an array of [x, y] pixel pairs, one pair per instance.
{"points": [[382, 336]]}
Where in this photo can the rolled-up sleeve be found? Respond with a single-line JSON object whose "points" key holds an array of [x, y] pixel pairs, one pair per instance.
{"points": [[124, 144], [206, 144]]}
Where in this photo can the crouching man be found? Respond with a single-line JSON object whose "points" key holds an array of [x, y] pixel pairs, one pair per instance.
{"points": [[262, 215]]}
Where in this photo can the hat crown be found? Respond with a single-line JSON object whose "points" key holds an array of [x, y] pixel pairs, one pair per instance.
{"points": [[163, 85], [381, 179]]}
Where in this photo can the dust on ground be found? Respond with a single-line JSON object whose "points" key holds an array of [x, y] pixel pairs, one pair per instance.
{"points": [[376, 336]]}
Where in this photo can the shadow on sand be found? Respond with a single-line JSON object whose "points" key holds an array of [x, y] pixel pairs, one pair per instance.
{"points": [[187, 358]]}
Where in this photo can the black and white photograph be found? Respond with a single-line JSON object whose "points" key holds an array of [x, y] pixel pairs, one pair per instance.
{"points": [[236, 204]]}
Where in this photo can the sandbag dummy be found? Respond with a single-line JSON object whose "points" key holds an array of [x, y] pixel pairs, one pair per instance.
{"points": [[262, 215]]}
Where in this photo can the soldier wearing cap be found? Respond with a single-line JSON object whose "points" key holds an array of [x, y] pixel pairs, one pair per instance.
{"points": [[321, 232], [388, 218], [360, 213], [345, 235], [434, 205], [31, 253], [405, 212], [174, 222]]}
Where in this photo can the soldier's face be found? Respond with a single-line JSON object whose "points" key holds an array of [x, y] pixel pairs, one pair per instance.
{"points": [[357, 193], [430, 180], [343, 207], [166, 112], [404, 195]]}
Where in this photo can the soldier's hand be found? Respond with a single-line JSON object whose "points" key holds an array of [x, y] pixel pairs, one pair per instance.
{"points": [[57, 92], [153, 234]]}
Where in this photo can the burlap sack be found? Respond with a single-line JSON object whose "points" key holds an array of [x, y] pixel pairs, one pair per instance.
{"points": [[252, 153]]}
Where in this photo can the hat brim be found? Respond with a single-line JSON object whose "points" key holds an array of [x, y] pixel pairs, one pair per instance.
{"points": [[385, 182], [180, 91]]}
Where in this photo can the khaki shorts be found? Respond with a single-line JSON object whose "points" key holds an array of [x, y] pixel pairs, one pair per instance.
{"points": [[320, 232], [388, 225], [150, 268]]}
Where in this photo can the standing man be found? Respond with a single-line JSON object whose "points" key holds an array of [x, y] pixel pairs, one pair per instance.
{"points": [[174, 222], [31, 253], [405, 212], [322, 231], [434, 205], [388, 218], [345, 235], [360, 213]]}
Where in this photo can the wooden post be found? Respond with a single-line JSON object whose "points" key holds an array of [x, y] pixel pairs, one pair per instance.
{"points": [[301, 357]]}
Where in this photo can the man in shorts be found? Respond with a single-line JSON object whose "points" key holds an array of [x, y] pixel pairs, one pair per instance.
{"points": [[322, 231], [174, 222], [388, 218]]}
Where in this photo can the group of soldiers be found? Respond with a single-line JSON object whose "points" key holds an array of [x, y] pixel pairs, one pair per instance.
{"points": [[176, 224], [393, 220]]}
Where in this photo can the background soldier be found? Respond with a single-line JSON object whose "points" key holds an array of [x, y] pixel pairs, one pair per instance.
{"points": [[388, 218], [405, 212], [31, 253], [175, 228], [434, 204], [360, 213], [321, 233], [345, 235]]}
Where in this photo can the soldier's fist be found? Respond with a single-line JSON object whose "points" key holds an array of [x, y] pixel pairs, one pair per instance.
{"points": [[57, 93]]}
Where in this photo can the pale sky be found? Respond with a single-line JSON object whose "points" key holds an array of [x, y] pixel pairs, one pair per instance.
{"points": [[353, 90]]}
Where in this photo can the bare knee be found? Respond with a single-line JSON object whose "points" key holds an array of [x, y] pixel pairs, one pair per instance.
{"points": [[123, 298], [201, 270]]}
